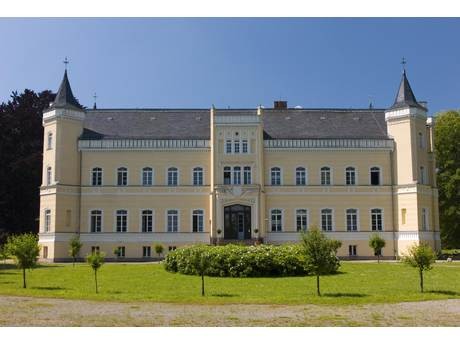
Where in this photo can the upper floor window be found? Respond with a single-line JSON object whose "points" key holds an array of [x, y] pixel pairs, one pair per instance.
{"points": [[172, 220], [352, 219], [49, 175], [122, 220], [96, 221], [376, 219], [325, 176], [172, 177], [422, 175], [276, 176], [300, 176], [424, 219], [236, 175], [147, 221], [50, 141], [96, 177], [421, 140], [276, 220], [245, 146], [301, 220], [147, 176], [247, 175], [236, 146], [228, 146], [375, 176], [122, 177], [197, 220], [227, 175], [326, 219], [198, 176], [350, 176], [47, 227]]}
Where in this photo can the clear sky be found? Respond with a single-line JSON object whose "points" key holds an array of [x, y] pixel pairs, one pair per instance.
{"points": [[193, 63]]}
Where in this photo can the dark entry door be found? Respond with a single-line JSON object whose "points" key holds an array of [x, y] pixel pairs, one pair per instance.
{"points": [[237, 222]]}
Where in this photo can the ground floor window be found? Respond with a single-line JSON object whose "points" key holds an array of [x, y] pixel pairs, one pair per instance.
{"points": [[95, 250], [121, 252], [171, 248], [146, 252], [45, 252], [352, 250]]}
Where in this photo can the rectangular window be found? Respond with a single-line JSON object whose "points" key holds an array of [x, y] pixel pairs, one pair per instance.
{"points": [[277, 220], [352, 250], [300, 176], [237, 175], [173, 220], [197, 220], [276, 176], [50, 140], [227, 175], [122, 221], [68, 217], [326, 220], [325, 176], [301, 220], [350, 176], [247, 175], [422, 175], [121, 252], [96, 221], [424, 219], [228, 146], [376, 220], [352, 220], [403, 215], [146, 252], [171, 248], [45, 252], [147, 176], [147, 221], [122, 177], [96, 177], [172, 177], [245, 146], [95, 250], [47, 227], [198, 177], [375, 176], [236, 146]]}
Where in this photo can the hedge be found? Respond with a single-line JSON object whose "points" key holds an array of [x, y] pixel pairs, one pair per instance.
{"points": [[241, 261]]}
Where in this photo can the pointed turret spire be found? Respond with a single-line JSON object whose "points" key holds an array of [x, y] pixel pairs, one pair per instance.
{"points": [[405, 97], [64, 97]]}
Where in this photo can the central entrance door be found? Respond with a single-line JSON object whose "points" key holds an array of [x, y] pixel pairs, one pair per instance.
{"points": [[237, 222]]}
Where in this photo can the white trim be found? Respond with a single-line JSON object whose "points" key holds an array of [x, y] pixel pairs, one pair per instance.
{"points": [[295, 175], [281, 175], [282, 219], [167, 176], [356, 176], [89, 219], [328, 144], [295, 218], [202, 176], [142, 177], [331, 176], [358, 223], [370, 219], [116, 176], [115, 220], [178, 220], [140, 219], [191, 219], [91, 176], [144, 145], [332, 218]]}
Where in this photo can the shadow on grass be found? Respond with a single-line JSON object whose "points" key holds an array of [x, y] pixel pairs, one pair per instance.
{"points": [[6, 282], [50, 288], [7, 267], [345, 294], [444, 292], [224, 295]]}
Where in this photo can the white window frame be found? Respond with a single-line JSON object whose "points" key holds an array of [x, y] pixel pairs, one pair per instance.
{"points": [[237, 144], [202, 176], [306, 215], [383, 218], [177, 176], [121, 251], [91, 176], [425, 219], [332, 219], [234, 174], [47, 220], [90, 220], [355, 177], [167, 219], [49, 175], [357, 219], [243, 142], [330, 175], [281, 176], [351, 248], [152, 177], [49, 140], [149, 251], [127, 177], [141, 217], [244, 174], [191, 220], [127, 220], [231, 175], [380, 175], [305, 176], [282, 219], [226, 148]]}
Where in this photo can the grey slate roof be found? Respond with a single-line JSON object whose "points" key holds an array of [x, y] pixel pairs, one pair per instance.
{"points": [[64, 97], [405, 97], [195, 123]]}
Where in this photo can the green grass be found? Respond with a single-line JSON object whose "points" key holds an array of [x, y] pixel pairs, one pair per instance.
{"points": [[357, 283]]}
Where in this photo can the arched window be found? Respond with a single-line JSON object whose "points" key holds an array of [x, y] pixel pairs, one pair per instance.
{"points": [[247, 175], [47, 225], [96, 177], [301, 220], [147, 221], [375, 176], [236, 175], [350, 176], [122, 221], [172, 177], [325, 176], [198, 176], [326, 219], [96, 221], [122, 176], [197, 220], [227, 175], [49, 176], [376, 219], [352, 219], [50, 140], [172, 220], [147, 176], [276, 176], [300, 176], [276, 220]]}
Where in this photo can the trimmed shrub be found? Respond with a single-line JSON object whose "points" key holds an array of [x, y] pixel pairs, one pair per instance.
{"points": [[241, 261]]}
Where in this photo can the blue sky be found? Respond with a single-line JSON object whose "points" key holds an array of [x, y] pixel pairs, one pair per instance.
{"points": [[193, 63]]}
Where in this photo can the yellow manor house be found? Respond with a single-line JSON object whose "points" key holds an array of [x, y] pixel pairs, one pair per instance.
{"points": [[130, 178]]}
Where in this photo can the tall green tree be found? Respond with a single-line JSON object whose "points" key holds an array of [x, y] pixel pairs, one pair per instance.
{"points": [[447, 149], [25, 250], [320, 254], [422, 257], [21, 146], [74, 248], [95, 260], [377, 243]]}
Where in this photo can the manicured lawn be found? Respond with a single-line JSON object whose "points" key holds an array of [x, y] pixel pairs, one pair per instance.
{"points": [[357, 283]]}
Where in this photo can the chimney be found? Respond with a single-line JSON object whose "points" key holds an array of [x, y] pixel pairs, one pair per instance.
{"points": [[280, 105]]}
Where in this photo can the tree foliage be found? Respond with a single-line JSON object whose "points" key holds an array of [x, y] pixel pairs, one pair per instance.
{"points": [[21, 146], [422, 257], [75, 247], [320, 254], [377, 243], [200, 261], [447, 149], [95, 260], [25, 251], [159, 249]]}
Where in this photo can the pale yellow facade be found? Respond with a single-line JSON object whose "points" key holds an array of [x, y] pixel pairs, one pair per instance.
{"points": [[272, 206]]}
